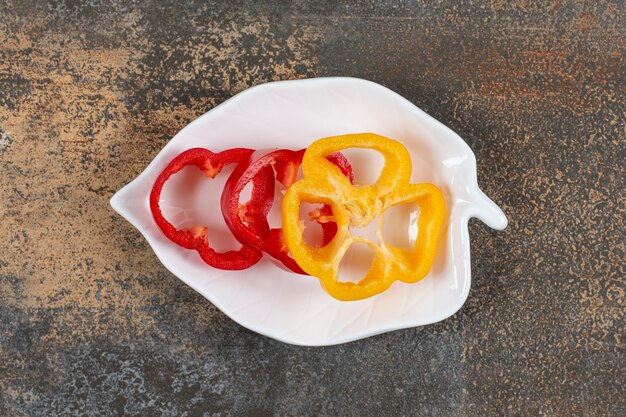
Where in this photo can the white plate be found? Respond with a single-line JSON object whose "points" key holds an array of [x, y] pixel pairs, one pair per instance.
{"points": [[292, 114]]}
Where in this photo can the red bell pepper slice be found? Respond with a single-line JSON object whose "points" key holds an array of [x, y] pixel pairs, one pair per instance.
{"points": [[198, 237], [285, 163]]}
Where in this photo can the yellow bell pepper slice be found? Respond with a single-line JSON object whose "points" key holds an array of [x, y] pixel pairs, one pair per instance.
{"points": [[357, 206]]}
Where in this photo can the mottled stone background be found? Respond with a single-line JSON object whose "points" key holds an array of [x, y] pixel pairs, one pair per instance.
{"points": [[92, 324]]}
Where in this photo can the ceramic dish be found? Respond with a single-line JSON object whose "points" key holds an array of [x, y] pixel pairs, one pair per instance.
{"points": [[292, 114]]}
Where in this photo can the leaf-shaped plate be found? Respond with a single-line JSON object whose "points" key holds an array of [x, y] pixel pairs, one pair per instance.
{"points": [[292, 114]]}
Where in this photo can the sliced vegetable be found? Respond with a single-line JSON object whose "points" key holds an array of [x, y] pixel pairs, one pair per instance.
{"points": [[198, 237], [357, 206]]}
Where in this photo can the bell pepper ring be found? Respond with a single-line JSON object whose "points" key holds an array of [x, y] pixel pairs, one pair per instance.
{"points": [[284, 163], [357, 206], [197, 237]]}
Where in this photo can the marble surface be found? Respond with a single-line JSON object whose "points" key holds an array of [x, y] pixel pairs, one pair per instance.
{"points": [[92, 324]]}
